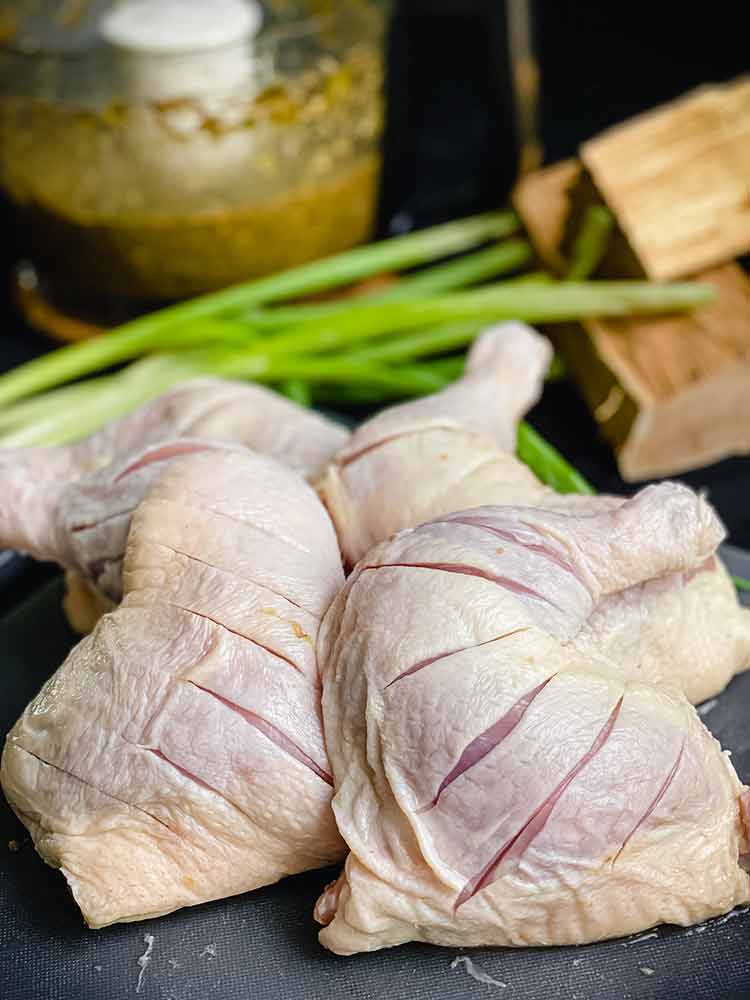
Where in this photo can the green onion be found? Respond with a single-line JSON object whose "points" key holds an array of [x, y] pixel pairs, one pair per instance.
{"points": [[212, 335], [165, 329], [740, 583], [468, 270], [471, 269], [450, 368], [395, 254], [119, 394], [529, 302], [109, 397], [438, 340], [70, 397], [547, 463], [410, 380], [337, 396], [297, 390], [590, 243], [534, 278], [420, 343]]}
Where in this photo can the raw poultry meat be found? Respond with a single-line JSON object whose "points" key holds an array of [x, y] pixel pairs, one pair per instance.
{"points": [[445, 452], [454, 450], [686, 629], [73, 505], [495, 783], [177, 755]]}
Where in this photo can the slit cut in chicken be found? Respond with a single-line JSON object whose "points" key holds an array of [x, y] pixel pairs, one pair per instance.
{"points": [[520, 790], [73, 505], [177, 755], [426, 459]]}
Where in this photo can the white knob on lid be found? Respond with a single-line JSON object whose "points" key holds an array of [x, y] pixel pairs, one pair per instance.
{"points": [[183, 48], [179, 26]]}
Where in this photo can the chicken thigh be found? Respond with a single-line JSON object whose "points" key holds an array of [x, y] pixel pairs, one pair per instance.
{"points": [[496, 782], [454, 450], [177, 755]]}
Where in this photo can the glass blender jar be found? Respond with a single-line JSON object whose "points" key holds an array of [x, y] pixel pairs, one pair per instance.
{"points": [[156, 149]]}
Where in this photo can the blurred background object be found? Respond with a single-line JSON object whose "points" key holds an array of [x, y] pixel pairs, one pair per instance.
{"points": [[452, 144], [155, 151]]}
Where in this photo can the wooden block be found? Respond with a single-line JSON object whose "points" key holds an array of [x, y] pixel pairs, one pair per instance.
{"points": [[677, 179], [542, 199], [670, 393]]}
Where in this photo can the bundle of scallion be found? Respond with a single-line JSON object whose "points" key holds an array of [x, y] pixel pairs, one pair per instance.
{"points": [[387, 344]]}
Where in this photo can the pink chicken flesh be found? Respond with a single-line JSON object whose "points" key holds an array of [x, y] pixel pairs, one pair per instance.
{"points": [[497, 783], [454, 450], [177, 755]]}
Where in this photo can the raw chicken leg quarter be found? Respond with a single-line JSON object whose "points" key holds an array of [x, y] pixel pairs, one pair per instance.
{"points": [[453, 450], [177, 755], [497, 782]]}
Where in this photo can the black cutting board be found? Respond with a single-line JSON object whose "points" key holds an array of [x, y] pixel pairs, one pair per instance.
{"points": [[263, 946]]}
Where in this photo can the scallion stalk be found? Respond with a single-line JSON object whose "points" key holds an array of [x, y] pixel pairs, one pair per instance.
{"points": [[109, 398], [338, 396], [56, 401], [298, 391], [547, 463], [420, 343], [163, 329], [437, 340], [470, 269], [590, 243], [450, 368], [409, 380], [529, 302]]}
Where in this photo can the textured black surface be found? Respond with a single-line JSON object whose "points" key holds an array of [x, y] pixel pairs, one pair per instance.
{"points": [[262, 946]]}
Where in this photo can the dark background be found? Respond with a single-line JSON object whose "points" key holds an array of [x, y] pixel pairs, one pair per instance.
{"points": [[452, 140], [450, 151]]}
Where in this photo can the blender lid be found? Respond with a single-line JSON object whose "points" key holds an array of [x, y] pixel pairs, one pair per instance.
{"points": [[75, 27], [92, 51], [179, 26]]}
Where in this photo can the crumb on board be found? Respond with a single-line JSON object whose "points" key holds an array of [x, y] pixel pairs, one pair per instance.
{"points": [[144, 959], [475, 972]]}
